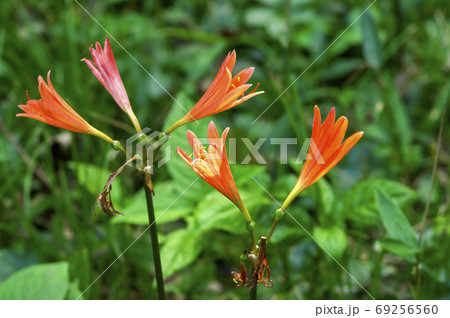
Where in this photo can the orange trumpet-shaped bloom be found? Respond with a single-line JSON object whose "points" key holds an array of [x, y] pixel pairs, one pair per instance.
{"points": [[212, 165], [53, 110], [105, 69], [224, 93], [325, 151]]}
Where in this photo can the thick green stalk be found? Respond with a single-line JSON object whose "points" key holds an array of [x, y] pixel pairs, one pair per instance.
{"points": [[152, 221], [272, 229], [250, 226], [254, 292], [155, 244], [279, 215]]}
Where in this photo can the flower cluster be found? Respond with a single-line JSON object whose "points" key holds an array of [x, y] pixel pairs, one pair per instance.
{"points": [[226, 91]]}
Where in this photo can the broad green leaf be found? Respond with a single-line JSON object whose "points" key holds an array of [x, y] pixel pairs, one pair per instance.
{"points": [[371, 43], [360, 205], [398, 247], [394, 221], [217, 212], [180, 249], [73, 292], [287, 234], [169, 204], [12, 261], [244, 173], [326, 195], [43, 281], [333, 240], [397, 191], [94, 178]]}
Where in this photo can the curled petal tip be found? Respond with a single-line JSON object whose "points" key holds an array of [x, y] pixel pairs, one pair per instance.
{"points": [[224, 92], [53, 110], [212, 165]]}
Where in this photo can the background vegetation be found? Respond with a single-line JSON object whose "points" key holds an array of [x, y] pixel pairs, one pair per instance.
{"points": [[388, 73]]}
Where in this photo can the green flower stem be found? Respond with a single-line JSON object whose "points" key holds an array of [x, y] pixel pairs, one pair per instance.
{"points": [[152, 226], [155, 244], [250, 226], [254, 292], [279, 216]]}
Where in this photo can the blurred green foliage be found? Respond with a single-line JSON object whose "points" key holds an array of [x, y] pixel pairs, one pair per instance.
{"points": [[388, 73]]}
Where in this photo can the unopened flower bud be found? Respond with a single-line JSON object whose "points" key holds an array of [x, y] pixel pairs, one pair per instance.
{"points": [[250, 226], [280, 214], [116, 145]]}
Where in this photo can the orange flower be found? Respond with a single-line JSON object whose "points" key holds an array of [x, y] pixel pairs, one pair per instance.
{"points": [[105, 69], [222, 94], [53, 110], [325, 151], [212, 165]]}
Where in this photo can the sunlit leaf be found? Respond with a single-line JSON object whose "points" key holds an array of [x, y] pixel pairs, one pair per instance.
{"points": [[333, 240], [37, 282]]}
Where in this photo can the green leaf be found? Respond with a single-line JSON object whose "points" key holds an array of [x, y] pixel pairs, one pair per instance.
{"points": [[333, 240], [73, 292], [398, 247], [326, 195], [397, 191], [360, 205], [217, 212], [180, 249], [12, 261], [44, 281], [169, 206], [94, 178], [243, 174], [287, 235], [394, 221], [400, 119], [371, 43]]}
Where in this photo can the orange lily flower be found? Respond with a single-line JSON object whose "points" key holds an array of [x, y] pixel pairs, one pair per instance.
{"points": [[53, 110], [222, 94], [212, 165], [325, 151], [105, 69]]}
